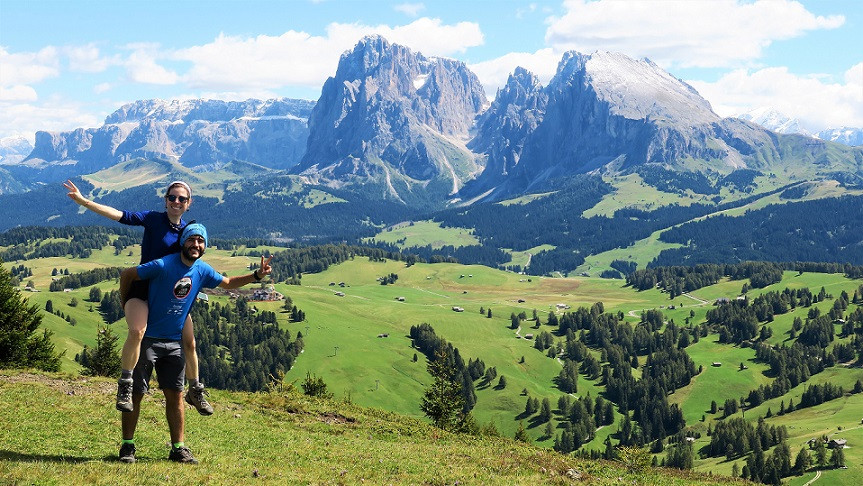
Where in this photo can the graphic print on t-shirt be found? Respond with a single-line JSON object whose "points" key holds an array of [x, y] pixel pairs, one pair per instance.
{"points": [[182, 287]]}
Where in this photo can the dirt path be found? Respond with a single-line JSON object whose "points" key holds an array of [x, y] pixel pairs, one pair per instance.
{"points": [[817, 475]]}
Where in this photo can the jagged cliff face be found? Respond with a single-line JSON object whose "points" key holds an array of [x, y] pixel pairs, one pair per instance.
{"points": [[608, 111], [197, 133], [395, 122]]}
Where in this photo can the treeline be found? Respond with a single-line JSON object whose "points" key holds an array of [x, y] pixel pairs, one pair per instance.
{"points": [[271, 205], [85, 278], [290, 264], [467, 255], [239, 348], [32, 242], [796, 231], [678, 279], [432, 346]]}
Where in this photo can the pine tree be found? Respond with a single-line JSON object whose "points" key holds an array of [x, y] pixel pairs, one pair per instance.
{"points": [[802, 462], [545, 410], [104, 359], [521, 433], [837, 457], [442, 400], [19, 347]]}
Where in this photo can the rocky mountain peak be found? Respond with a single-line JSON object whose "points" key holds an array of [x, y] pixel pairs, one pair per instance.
{"points": [[394, 118]]}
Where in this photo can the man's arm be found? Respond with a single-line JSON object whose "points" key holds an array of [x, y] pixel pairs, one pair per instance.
{"points": [[256, 276], [127, 276]]}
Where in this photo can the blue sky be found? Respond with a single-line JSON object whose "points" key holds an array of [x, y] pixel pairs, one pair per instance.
{"points": [[68, 64]]}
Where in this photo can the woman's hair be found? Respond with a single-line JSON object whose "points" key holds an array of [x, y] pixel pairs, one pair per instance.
{"points": [[181, 184]]}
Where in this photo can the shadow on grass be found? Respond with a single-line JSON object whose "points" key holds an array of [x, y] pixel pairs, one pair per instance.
{"points": [[13, 456]]}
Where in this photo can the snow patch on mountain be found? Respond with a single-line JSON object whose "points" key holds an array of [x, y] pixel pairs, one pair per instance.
{"points": [[774, 120], [639, 89]]}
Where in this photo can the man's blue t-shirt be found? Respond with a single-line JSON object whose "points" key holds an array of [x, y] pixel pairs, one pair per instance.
{"points": [[173, 288], [160, 236]]}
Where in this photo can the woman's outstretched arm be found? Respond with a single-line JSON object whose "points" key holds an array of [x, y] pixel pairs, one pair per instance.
{"points": [[101, 209]]}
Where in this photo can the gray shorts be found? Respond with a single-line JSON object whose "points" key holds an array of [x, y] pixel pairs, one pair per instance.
{"points": [[167, 357]]}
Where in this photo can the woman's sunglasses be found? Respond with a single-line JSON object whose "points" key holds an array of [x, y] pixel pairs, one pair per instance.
{"points": [[172, 198]]}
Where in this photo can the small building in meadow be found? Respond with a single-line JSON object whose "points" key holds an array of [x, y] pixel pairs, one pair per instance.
{"points": [[837, 443]]}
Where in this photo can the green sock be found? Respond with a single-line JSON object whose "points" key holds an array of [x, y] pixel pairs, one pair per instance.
{"points": [[129, 441], [177, 445]]}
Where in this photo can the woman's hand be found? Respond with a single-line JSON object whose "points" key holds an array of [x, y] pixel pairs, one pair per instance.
{"points": [[74, 193], [265, 269]]}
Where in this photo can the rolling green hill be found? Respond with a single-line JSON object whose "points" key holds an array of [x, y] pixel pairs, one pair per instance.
{"points": [[343, 343]]}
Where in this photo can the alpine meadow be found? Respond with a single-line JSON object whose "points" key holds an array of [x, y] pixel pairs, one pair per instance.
{"points": [[454, 250]]}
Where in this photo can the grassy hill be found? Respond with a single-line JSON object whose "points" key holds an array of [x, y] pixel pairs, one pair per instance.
{"points": [[343, 347], [67, 432]]}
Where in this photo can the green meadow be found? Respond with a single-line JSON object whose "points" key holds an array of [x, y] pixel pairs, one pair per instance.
{"points": [[422, 233], [345, 343]]}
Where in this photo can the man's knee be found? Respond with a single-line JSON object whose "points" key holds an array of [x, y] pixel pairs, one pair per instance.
{"points": [[189, 345]]}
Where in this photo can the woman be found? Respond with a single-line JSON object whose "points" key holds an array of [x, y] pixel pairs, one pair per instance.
{"points": [[161, 233]]}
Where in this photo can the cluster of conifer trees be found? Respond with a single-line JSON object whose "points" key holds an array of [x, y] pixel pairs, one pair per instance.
{"points": [[85, 278], [240, 348]]}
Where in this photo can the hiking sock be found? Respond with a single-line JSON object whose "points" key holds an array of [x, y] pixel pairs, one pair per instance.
{"points": [[177, 445], [126, 375], [193, 383], [129, 441]]}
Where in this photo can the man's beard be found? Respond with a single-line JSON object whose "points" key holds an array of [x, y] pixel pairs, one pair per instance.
{"points": [[188, 255]]}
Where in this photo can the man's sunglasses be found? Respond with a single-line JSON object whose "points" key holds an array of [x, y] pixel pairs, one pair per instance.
{"points": [[172, 198]]}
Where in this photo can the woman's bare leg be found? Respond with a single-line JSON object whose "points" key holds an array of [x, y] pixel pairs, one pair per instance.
{"points": [[136, 318]]}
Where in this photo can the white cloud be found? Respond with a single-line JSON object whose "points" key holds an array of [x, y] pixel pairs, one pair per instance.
{"points": [[815, 100], [24, 68], [719, 33], [87, 59], [854, 76], [410, 9], [102, 87], [141, 67], [25, 119], [232, 63], [18, 92], [267, 63], [521, 12], [426, 35], [494, 73]]}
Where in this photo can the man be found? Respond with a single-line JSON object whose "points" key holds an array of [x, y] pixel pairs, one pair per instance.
{"points": [[174, 282]]}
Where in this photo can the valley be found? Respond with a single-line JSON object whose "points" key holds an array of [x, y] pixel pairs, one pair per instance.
{"points": [[344, 343]]}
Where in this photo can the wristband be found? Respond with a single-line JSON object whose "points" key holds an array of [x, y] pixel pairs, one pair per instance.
{"points": [[255, 274]]}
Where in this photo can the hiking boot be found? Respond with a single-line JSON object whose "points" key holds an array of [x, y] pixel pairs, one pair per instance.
{"points": [[124, 395], [196, 397], [127, 453], [182, 454]]}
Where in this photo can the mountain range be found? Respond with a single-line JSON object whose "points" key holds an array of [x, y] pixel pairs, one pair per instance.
{"points": [[397, 135], [781, 123], [421, 132]]}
